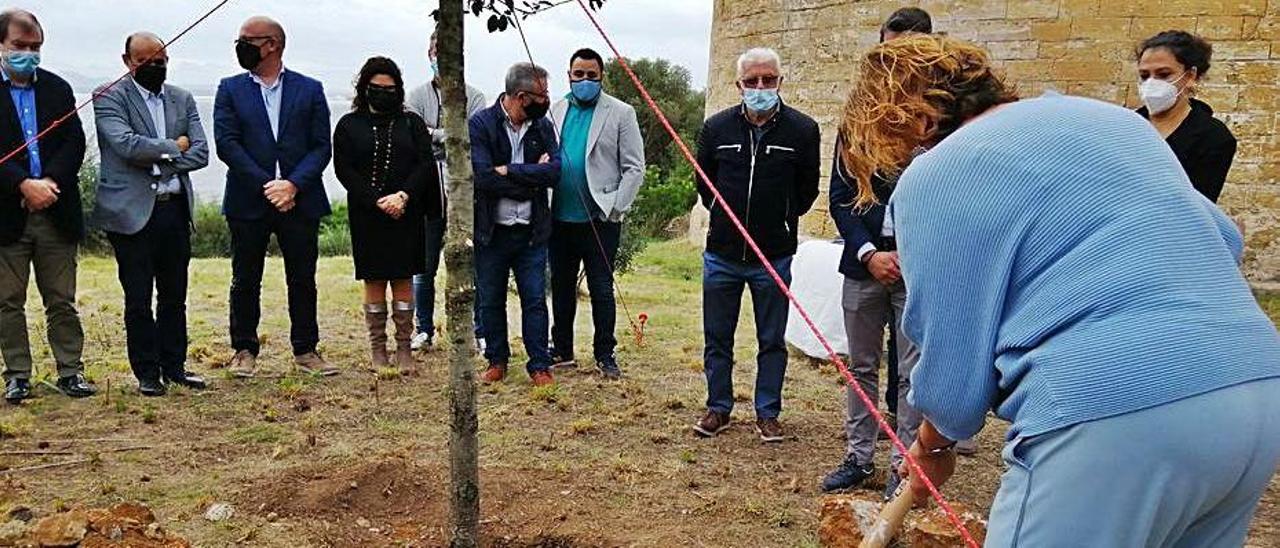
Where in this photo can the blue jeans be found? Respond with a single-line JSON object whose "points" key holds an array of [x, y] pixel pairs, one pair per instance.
{"points": [[510, 250], [424, 285], [722, 284], [574, 248]]}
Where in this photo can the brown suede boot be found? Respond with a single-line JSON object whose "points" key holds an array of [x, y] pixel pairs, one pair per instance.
{"points": [[375, 317], [402, 316]]}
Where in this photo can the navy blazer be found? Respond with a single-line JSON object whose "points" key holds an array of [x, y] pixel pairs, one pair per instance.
{"points": [[491, 147], [61, 153], [856, 228], [242, 132]]}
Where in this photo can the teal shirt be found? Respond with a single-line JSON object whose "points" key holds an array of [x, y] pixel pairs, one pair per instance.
{"points": [[570, 200]]}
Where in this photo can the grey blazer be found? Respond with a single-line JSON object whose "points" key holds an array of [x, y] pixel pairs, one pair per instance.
{"points": [[129, 148], [615, 154]]}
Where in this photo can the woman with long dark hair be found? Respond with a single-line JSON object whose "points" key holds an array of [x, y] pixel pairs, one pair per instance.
{"points": [[382, 155], [1065, 275], [1170, 66]]}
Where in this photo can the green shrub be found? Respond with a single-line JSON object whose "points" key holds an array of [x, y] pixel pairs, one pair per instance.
{"points": [[210, 237], [661, 200], [335, 232], [95, 241]]}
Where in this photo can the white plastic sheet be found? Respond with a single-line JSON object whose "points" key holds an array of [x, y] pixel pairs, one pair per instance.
{"points": [[818, 284]]}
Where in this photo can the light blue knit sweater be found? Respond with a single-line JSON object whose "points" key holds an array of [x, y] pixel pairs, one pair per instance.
{"points": [[1062, 270]]}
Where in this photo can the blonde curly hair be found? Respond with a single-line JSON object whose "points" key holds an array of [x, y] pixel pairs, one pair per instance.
{"points": [[912, 91]]}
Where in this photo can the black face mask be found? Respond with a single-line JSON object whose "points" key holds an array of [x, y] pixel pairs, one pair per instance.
{"points": [[249, 55], [534, 111], [384, 101], [151, 76]]}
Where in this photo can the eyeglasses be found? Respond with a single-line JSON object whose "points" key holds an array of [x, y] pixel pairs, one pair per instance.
{"points": [[762, 82], [376, 87], [584, 75], [251, 39], [536, 94]]}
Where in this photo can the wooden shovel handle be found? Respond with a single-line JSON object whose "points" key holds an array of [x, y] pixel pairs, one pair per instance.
{"points": [[891, 518]]}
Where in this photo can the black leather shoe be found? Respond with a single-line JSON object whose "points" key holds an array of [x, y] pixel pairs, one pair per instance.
{"points": [[75, 386], [194, 382], [152, 388], [17, 390]]}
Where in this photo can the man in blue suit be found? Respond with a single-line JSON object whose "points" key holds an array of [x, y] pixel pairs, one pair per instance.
{"points": [[272, 128], [516, 160]]}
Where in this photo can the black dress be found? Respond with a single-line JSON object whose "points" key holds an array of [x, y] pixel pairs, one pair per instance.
{"points": [[1205, 148], [376, 155]]}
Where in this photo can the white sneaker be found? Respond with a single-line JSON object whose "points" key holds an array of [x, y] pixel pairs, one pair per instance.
{"points": [[420, 341]]}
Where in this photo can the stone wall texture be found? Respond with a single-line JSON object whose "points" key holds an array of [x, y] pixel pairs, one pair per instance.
{"points": [[1081, 47]]}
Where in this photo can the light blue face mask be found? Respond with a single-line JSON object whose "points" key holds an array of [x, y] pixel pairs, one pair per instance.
{"points": [[760, 100], [585, 91], [435, 67], [22, 63]]}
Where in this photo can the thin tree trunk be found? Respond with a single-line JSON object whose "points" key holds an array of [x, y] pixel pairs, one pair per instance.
{"points": [[460, 289]]}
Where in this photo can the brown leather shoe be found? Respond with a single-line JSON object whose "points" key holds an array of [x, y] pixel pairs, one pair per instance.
{"points": [[312, 364], [243, 365], [770, 431], [712, 424], [495, 373], [542, 378]]}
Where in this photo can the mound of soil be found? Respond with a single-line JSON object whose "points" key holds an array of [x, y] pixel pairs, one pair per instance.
{"points": [[399, 502]]}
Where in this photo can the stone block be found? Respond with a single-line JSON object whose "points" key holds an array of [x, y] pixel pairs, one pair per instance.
{"points": [[1220, 27], [1028, 49], [1100, 28], [1145, 27], [1032, 9], [1078, 8], [1241, 51]]}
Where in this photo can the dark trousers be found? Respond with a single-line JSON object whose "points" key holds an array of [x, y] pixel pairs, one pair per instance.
{"points": [[298, 240], [722, 283], [574, 247], [424, 285], [510, 250], [891, 389], [156, 260]]}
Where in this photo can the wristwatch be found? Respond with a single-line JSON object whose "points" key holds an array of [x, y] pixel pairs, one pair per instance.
{"points": [[948, 448]]}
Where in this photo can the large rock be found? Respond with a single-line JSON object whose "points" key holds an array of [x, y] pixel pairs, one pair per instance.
{"points": [[65, 529], [845, 519], [934, 530]]}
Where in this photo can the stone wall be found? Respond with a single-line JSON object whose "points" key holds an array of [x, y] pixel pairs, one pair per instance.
{"points": [[1082, 47]]}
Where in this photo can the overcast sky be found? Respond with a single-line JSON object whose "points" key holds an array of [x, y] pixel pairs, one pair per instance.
{"points": [[329, 39]]}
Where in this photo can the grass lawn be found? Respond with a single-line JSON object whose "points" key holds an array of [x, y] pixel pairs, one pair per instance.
{"points": [[360, 459]]}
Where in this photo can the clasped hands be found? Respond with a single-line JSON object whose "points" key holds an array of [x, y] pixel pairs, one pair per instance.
{"points": [[393, 204], [281, 194], [884, 267], [38, 194]]}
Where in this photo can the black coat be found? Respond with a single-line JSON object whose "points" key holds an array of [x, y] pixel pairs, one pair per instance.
{"points": [[1205, 148], [385, 248], [61, 153], [769, 184], [490, 148], [857, 226]]}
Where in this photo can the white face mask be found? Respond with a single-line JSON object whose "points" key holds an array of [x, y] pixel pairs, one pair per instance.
{"points": [[1159, 95]]}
